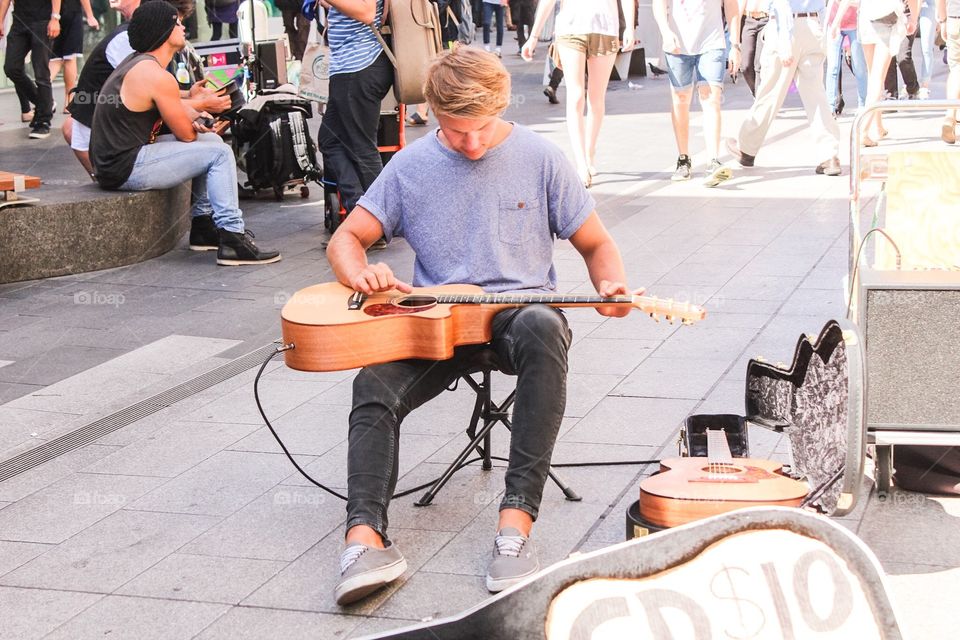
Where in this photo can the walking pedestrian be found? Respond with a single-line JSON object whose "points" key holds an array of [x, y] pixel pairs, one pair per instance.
{"points": [[588, 37], [36, 23]]}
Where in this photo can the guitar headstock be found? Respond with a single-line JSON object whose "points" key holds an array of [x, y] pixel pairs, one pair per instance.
{"points": [[669, 309]]}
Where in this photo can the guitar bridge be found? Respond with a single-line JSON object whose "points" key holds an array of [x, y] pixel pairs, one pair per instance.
{"points": [[356, 301]]}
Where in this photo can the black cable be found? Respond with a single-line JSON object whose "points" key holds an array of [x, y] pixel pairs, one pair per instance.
{"points": [[256, 396], [856, 261], [405, 492]]}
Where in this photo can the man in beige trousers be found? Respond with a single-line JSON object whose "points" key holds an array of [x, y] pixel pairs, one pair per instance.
{"points": [[799, 53]]}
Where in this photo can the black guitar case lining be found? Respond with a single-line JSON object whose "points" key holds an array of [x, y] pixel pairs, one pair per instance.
{"points": [[818, 402]]}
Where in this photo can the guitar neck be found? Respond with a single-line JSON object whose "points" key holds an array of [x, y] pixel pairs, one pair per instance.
{"points": [[718, 449], [656, 307], [520, 299]]}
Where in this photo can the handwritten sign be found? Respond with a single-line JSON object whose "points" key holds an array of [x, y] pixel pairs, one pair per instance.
{"points": [[770, 583]]}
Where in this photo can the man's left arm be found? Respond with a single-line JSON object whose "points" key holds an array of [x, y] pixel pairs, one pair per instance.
{"points": [[53, 27], [731, 9], [602, 257]]}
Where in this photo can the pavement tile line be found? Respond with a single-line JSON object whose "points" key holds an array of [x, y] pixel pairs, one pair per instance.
{"points": [[95, 430]]}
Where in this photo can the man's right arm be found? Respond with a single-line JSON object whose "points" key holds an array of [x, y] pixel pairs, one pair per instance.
{"points": [[348, 257], [166, 96], [364, 11], [671, 43]]}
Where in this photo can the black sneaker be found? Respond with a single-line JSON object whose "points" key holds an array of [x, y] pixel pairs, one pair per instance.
{"points": [[203, 234], [683, 169], [239, 248], [551, 94], [40, 131]]}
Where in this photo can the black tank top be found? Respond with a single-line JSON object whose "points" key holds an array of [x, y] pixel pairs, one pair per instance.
{"points": [[118, 133], [94, 74]]}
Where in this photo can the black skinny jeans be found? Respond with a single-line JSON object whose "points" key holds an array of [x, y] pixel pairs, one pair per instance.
{"points": [[903, 60], [522, 13], [530, 342], [31, 38], [348, 131]]}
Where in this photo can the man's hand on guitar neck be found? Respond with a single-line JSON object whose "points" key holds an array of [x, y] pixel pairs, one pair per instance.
{"points": [[609, 289], [378, 277]]}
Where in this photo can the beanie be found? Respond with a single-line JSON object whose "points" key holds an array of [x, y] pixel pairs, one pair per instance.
{"points": [[151, 25]]}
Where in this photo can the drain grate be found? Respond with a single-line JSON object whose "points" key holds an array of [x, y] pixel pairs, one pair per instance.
{"points": [[97, 429]]}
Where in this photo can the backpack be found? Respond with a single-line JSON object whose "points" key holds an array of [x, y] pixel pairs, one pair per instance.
{"points": [[273, 143], [416, 36]]}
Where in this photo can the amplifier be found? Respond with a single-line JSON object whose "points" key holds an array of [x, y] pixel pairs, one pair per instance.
{"points": [[909, 321], [272, 56]]}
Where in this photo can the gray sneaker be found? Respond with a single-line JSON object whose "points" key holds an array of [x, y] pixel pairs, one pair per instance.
{"points": [[365, 569], [514, 558], [716, 173]]}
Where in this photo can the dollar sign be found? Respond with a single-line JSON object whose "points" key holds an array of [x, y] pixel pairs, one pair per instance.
{"points": [[724, 578]]}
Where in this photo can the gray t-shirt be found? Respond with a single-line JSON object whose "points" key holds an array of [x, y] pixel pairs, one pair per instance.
{"points": [[489, 222]]}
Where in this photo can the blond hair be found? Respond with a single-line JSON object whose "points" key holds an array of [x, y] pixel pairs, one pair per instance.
{"points": [[467, 83]]}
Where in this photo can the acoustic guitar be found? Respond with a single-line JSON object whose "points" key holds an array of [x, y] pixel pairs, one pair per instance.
{"points": [[688, 489], [333, 327]]}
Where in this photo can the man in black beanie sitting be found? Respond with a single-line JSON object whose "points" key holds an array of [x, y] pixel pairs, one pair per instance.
{"points": [[127, 153]]}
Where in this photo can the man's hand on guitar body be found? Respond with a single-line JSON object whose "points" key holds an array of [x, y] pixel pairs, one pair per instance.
{"points": [[609, 289], [377, 277]]}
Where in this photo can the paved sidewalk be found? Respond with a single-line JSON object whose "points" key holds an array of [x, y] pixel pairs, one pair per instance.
{"points": [[191, 523]]}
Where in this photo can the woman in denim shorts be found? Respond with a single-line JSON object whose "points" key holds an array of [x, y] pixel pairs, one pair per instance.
{"points": [[588, 37]]}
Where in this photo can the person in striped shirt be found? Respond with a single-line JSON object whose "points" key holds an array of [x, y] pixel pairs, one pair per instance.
{"points": [[360, 77]]}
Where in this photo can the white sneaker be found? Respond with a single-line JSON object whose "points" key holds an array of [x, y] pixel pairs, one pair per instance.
{"points": [[923, 94], [486, 48], [499, 55]]}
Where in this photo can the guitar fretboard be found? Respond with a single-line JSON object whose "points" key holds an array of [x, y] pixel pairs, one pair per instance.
{"points": [[530, 298]]}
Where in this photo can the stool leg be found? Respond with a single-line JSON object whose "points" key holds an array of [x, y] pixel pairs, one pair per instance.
{"points": [[487, 463], [484, 435], [568, 493]]}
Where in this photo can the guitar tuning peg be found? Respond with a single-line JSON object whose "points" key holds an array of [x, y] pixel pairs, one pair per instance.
{"points": [[686, 322], [655, 317], [669, 319]]}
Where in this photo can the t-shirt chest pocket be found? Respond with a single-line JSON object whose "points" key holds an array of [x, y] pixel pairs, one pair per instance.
{"points": [[518, 219]]}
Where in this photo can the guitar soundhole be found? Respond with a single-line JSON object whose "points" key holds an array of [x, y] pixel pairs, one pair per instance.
{"points": [[721, 468], [418, 302]]}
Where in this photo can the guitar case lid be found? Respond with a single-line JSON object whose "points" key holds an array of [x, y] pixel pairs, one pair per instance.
{"points": [[818, 401]]}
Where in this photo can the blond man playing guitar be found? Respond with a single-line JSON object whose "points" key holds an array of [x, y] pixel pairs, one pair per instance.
{"points": [[480, 201]]}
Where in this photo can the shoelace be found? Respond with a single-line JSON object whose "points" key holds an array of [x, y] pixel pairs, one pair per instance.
{"points": [[509, 545], [351, 555]]}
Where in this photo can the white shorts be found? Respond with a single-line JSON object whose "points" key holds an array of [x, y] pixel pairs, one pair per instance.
{"points": [[80, 138]]}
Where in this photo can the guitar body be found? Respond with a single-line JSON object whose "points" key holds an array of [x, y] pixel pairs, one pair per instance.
{"points": [[688, 489], [330, 337]]}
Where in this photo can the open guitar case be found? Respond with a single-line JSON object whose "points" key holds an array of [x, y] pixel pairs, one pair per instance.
{"points": [[817, 401]]}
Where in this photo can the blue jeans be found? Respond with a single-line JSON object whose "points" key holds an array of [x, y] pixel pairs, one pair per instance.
{"points": [[686, 71], [928, 34], [208, 160], [835, 60], [488, 11], [530, 342]]}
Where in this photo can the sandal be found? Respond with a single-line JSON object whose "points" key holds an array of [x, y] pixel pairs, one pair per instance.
{"points": [[869, 142], [416, 120]]}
